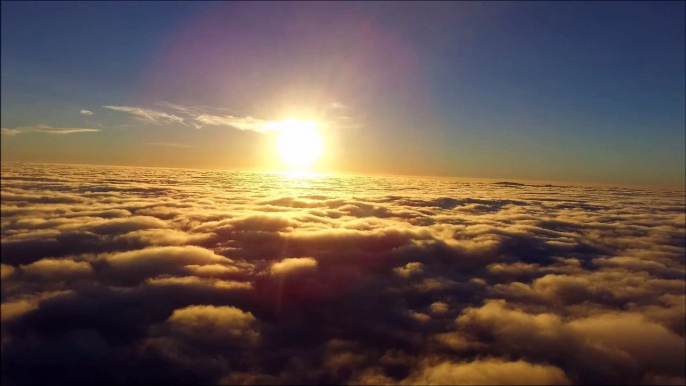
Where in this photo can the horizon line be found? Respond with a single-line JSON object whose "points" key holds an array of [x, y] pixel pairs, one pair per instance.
{"points": [[531, 182]]}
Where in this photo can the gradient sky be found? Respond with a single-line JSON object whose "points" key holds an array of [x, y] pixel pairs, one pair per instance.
{"points": [[582, 92]]}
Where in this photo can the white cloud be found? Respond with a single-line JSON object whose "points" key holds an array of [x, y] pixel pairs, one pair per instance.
{"points": [[241, 123], [86, 112], [245, 123], [187, 110], [200, 116], [150, 115], [293, 265], [10, 132], [46, 129], [65, 131]]}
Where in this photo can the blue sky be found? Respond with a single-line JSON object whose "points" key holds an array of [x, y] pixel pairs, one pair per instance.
{"points": [[585, 92]]}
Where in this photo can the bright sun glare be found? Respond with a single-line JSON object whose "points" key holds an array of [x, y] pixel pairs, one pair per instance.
{"points": [[299, 143]]}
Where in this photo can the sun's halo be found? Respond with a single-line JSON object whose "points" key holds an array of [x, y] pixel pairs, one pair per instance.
{"points": [[299, 143]]}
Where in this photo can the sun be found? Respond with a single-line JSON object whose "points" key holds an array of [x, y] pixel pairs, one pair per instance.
{"points": [[299, 143]]}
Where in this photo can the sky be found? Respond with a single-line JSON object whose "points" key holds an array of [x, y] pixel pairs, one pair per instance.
{"points": [[561, 91]]}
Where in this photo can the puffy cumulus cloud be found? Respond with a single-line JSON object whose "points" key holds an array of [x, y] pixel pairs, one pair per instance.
{"points": [[203, 277], [622, 342], [161, 237], [293, 265], [195, 281], [478, 372], [154, 261], [418, 316], [54, 269], [6, 271], [409, 269], [15, 306], [439, 307], [213, 324], [490, 372]]}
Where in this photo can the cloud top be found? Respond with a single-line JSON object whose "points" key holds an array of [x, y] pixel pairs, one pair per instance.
{"points": [[138, 275], [292, 265]]}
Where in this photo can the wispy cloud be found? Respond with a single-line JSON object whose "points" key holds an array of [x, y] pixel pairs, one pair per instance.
{"points": [[200, 116], [86, 112], [46, 129], [65, 131], [191, 110], [149, 115], [241, 123], [186, 110], [10, 132], [167, 144]]}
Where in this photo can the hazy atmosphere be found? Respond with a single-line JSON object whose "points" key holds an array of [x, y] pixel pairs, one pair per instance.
{"points": [[343, 193]]}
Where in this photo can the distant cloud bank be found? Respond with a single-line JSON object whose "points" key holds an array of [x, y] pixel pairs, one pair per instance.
{"points": [[137, 275]]}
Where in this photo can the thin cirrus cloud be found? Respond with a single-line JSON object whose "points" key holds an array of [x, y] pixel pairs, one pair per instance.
{"points": [[200, 116], [148, 115], [46, 129], [197, 117], [168, 144], [86, 112], [241, 123]]}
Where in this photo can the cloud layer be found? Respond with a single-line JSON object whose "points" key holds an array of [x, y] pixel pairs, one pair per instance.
{"points": [[138, 275]]}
